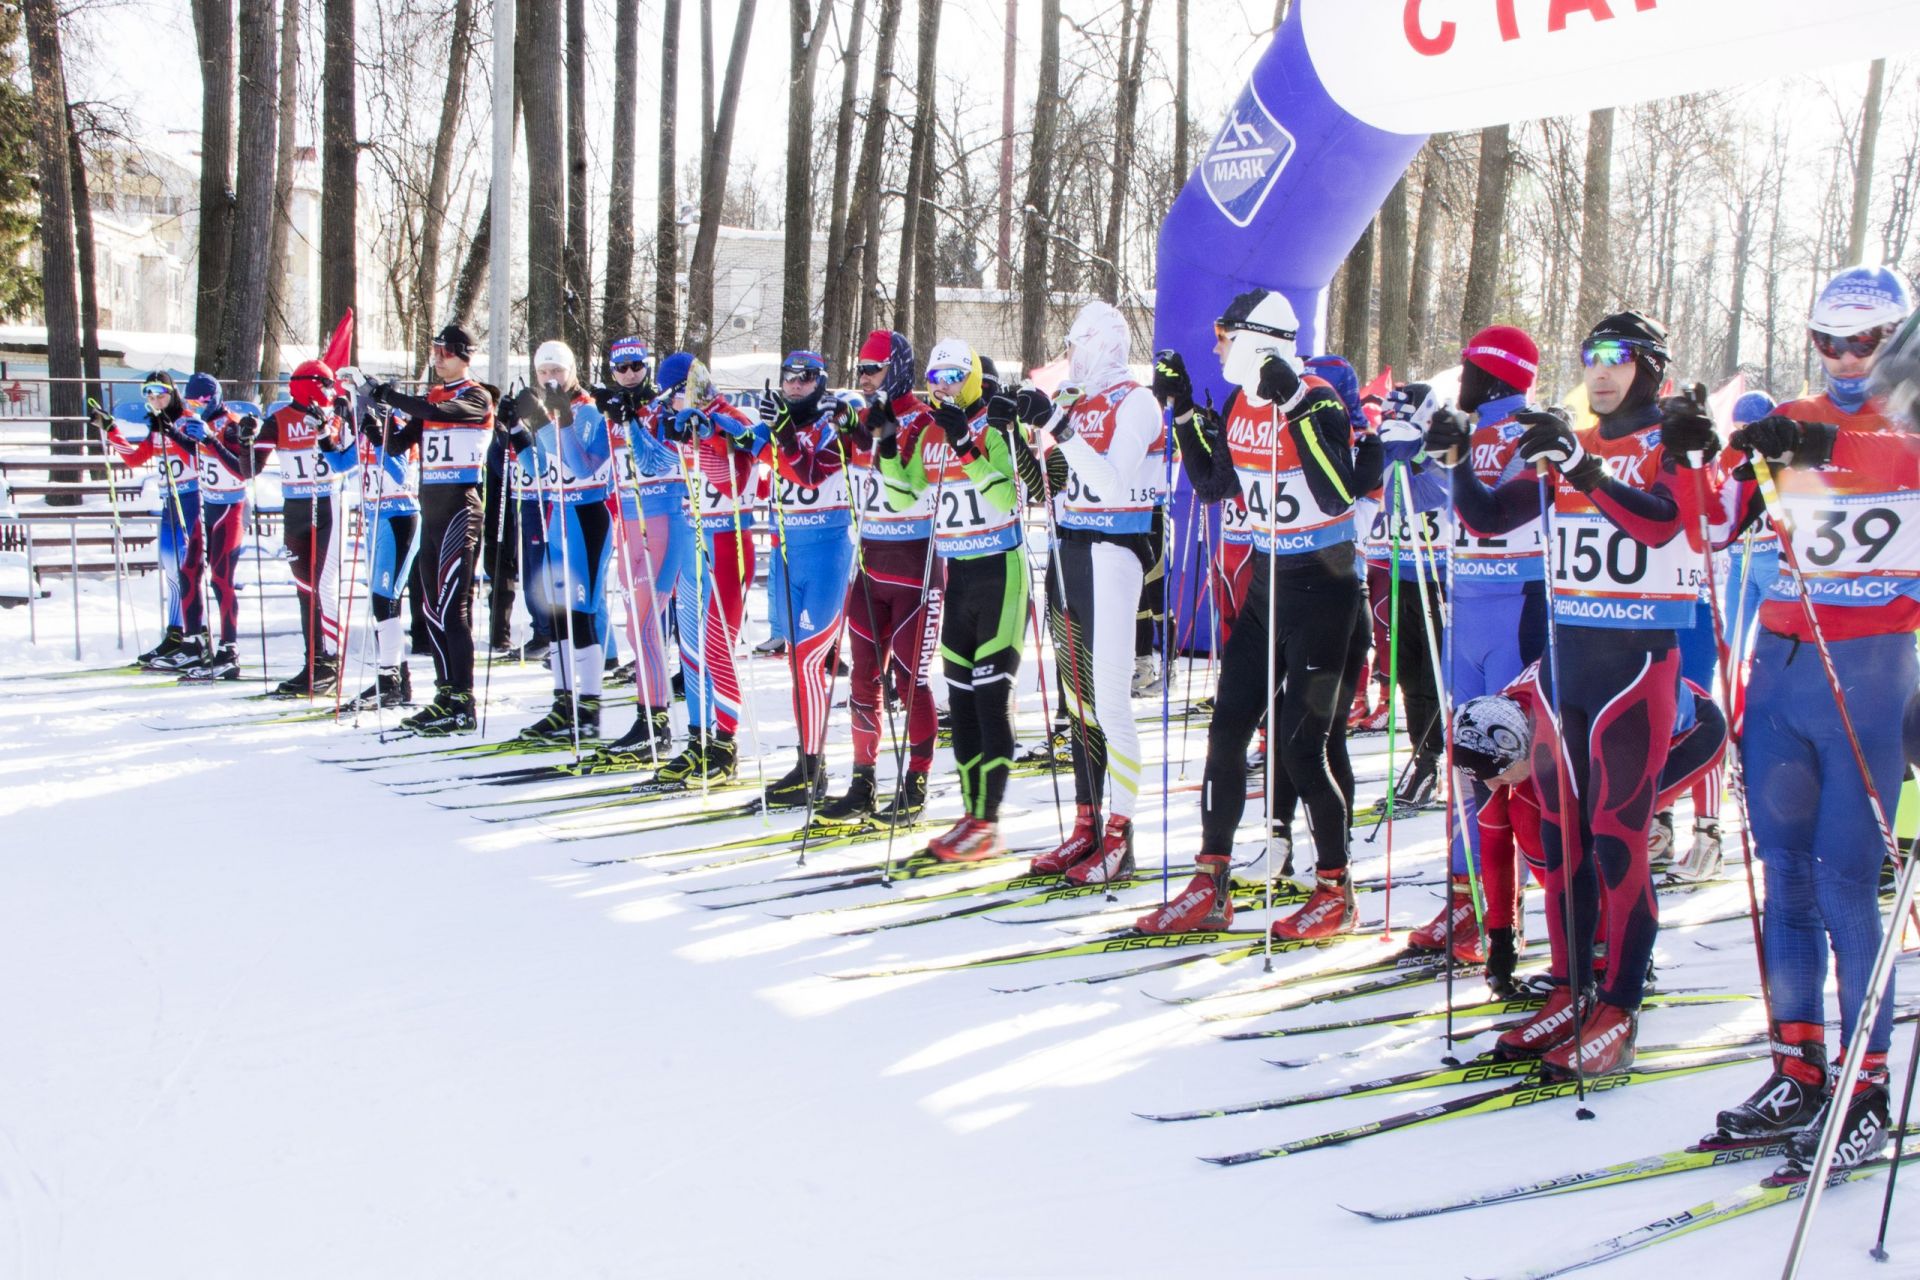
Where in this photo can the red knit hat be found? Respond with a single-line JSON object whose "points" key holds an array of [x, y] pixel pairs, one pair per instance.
{"points": [[1505, 352], [878, 346]]}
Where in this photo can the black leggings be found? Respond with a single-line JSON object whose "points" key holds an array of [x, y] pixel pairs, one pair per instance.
{"points": [[1411, 627], [1315, 621], [450, 520], [1282, 800], [980, 632]]}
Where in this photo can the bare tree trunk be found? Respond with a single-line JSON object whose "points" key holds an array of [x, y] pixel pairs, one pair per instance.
{"points": [[1596, 229], [1426, 242], [83, 251], [213, 25], [919, 168], [713, 189], [473, 268], [339, 177], [1046, 113], [579, 254], [1182, 144], [617, 312], [433, 218], [278, 327], [1279, 13], [1003, 264], [1489, 219], [1356, 309], [1737, 306], [1863, 165], [1133, 48], [1396, 263], [866, 179], [925, 235], [834, 311], [807, 29], [65, 402], [245, 319], [706, 80], [546, 170], [666, 225]]}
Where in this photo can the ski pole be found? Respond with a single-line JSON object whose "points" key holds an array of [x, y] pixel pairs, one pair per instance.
{"points": [[928, 638], [1879, 1251], [1273, 678], [113, 505], [793, 649], [1570, 839], [882, 657], [567, 656], [510, 475]]}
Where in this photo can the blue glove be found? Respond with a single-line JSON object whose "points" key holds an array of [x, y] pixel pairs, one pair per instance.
{"points": [[193, 429], [689, 423]]}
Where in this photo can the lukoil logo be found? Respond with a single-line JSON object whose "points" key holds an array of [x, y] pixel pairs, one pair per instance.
{"points": [[1246, 157]]}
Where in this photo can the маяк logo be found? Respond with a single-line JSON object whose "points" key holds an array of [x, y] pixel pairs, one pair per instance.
{"points": [[1246, 156]]}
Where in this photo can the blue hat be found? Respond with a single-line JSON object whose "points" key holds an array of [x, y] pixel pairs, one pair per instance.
{"points": [[202, 386], [803, 364], [627, 349], [673, 370], [1338, 373], [1752, 407]]}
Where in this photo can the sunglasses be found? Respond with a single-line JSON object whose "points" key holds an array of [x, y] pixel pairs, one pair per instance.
{"points": [[799, 375], [1606, 354], [629, 365], [1863, 343], [870, 368], [947, 377]]}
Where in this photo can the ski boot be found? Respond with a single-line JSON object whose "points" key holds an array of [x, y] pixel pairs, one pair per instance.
{"points": [[908, 802], [1146, 676], [1545, 1030], [678, 682], [713, 759], [392, 687], [1503, 956], [807, 778], [1604, 1043], [1376, 720], [1283, 853], [771, 647], [1056, 750], [1112, 861], [1357, 714], [1206, 903], [1419, 785], [319, 676], [1704, 859], [1201, 708], [222, 665], [451, 711], [1432, 936], [1328, 912], [192, 651], [1660, 841], [171, 641], [857, 804], [620, 675], [973, 840], [1789, 1100], [538, 649], [559, 724], [1081, 843], [1864, 1128], [650, 739]]}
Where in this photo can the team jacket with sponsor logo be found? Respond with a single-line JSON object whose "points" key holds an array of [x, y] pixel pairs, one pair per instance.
{"points": [[1116, 461], [1295, 472], [878, 519], [809, 481], [976, 512], [574, 462], [294, 433], [1485, 563], [1855, 525], [389, 481], [720, 472], [451, 424]]}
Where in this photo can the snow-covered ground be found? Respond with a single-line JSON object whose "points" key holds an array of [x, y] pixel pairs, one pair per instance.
{"points": [[267, 1016]]}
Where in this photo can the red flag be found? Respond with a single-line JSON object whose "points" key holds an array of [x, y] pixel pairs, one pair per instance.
{"points": [[340, 345], [1381, 386]]}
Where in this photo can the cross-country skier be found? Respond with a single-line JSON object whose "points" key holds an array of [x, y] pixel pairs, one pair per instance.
{"points": [[1849, 482], [182, 549], [225, 465], [390, 514], [977, 529], [1626, 575], [1285, 442], [1109, 430], [893, 605], [451, 424]]}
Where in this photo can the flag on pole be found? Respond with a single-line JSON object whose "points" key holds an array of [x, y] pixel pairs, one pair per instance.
{"points": [[339, 349]]}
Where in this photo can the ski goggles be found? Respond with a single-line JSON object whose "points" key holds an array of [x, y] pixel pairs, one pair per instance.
{"points": [[947, 379], [1863, 343], [198, 406], [1608, 352], [152, 389], [869, 368]]}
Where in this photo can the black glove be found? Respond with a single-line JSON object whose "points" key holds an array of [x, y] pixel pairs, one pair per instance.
{"points": [[1448, 437], [612, 403], [774, 410], [527, 407], [1785, 442], [1035, 407], [953, 420], [383, 394], [373, 425], [1171, 385], [246, 429], [1501, 959], [1002, 409], [1549, 438], [1278, 382], [1686, 428], [100, 418], [880, 418], [342, 407]]}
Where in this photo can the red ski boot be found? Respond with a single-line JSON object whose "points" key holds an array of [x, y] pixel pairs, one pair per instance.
{"points": [[976, 842], [1329, 910], [1375, 720], [1466, 934], [1358, 713], [1545, 1030], [1112, 861], [940, 844], [1605, 1044], [1081, 843], [1205, 903]]}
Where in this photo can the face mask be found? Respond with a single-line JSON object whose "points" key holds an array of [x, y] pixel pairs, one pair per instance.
{"points": [[1849, 393]]}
